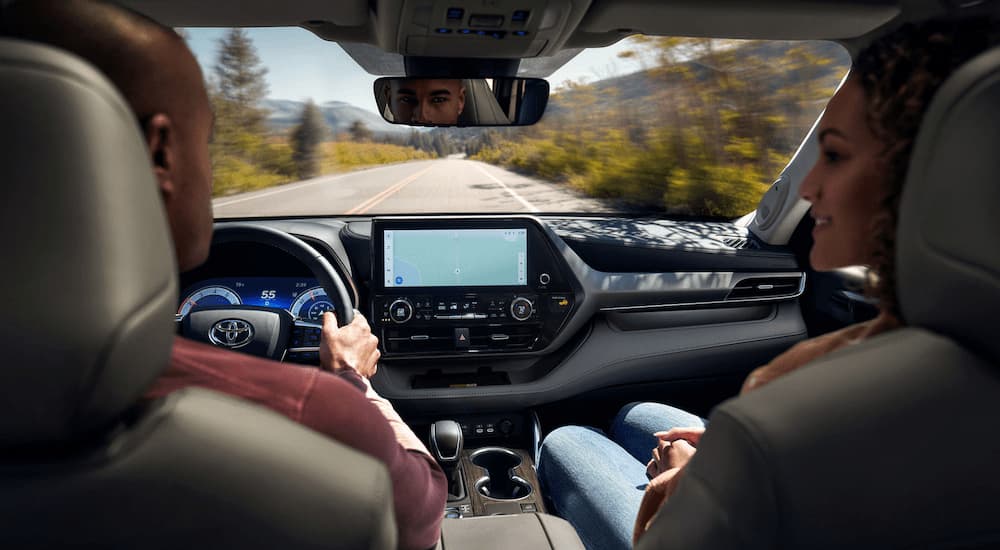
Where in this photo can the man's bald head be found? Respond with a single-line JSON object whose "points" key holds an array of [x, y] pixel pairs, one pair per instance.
{"points": [[161, 80], [139, 55]]}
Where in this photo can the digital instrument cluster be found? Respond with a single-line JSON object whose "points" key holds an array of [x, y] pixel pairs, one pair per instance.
{"points": [[303, 298]]}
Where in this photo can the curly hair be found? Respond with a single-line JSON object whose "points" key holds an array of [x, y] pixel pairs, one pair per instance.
{"points": [[900, 73]]}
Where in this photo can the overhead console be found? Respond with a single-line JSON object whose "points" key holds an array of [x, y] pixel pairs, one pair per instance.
{"points": [[460, 286], [496, 29]]}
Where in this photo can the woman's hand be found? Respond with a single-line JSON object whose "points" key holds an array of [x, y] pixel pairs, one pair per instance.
{"points": [[673, 451], [692, 434]]}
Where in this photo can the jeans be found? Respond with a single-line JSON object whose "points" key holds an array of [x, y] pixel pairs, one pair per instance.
{"points": [[596, 482]]}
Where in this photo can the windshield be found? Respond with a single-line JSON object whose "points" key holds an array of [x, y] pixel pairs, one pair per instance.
{"points": [[650, 125]]}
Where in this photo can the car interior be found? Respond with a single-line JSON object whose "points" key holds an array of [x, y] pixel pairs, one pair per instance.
{"points": [[597, 311]]}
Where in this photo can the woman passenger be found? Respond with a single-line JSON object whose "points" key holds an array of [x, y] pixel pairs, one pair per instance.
{"points": [[602, 484]]}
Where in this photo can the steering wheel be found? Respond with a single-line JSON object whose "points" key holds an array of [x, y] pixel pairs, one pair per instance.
{"points": [[267, 331]]}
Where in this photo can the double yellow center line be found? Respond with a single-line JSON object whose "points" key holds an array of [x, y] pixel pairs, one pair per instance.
{"points": [[372, 202]]}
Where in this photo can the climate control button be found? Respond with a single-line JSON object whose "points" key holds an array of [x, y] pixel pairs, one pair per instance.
{"points": [[401, 311], [521, 309]]}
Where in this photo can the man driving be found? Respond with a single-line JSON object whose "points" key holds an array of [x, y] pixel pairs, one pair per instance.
{"points": [[429, 101], [162, 82]]}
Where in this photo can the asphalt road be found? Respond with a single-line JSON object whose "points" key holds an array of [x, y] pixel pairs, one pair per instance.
{"points": [[428, 186]]}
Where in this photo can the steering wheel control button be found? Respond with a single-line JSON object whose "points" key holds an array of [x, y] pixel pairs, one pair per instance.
{"points": [[521, 309], [462, 338], [544, 279], [401, 311], [306, 337]]}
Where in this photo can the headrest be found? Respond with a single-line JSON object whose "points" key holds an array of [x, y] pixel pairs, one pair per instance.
{"points": [[88, 278], [948, 256], [481, 107]]}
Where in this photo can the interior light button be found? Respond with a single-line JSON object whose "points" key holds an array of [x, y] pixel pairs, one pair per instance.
{"points": [[485, 21]]}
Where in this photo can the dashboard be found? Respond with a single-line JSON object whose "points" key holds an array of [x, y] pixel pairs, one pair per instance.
{"points": [[303, 298], [486, 313]]}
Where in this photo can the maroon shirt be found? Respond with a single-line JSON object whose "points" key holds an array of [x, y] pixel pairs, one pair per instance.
{"points": [[342, 406]]}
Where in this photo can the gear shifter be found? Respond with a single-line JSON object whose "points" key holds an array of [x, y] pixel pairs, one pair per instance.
{"points": [[446, 446]]}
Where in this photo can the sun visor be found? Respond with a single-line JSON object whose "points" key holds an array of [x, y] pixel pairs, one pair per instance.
{"points": [[768, 19], [239, 13]]}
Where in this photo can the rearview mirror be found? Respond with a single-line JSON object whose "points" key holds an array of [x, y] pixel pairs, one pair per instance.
{"points": [[461, 101]]}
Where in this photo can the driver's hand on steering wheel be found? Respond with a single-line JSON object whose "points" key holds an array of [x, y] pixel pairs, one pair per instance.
{"points": [[351, 347]]}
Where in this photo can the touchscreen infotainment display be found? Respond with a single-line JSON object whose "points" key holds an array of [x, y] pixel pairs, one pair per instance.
{"points": [[455, 257]]}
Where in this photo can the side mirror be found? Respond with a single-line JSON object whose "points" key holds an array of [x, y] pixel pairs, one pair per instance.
{"points": [[461, 101]]}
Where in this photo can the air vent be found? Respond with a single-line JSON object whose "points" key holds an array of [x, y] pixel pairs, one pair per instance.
{"points": [[766, 287], [740, 243]]}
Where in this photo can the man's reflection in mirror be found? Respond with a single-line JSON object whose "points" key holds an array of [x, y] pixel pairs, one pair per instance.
{"points": [[427, 101]]}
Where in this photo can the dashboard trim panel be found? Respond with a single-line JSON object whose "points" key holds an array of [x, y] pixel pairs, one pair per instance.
{"points": [[728, 301]]}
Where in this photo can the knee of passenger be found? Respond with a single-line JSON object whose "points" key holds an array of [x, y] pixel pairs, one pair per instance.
{"points": [[627, 410], [565, 443], [560, 439], [556, 449]]}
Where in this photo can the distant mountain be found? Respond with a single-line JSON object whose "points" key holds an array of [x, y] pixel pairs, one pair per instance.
{"points": [[283, 114]]}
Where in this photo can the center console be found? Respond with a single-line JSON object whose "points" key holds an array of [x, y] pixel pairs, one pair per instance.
{"points": [[490, 472], [494, 498], [466, 286]]}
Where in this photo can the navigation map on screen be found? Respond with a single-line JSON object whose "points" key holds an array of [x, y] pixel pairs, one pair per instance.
{"points": [[455, 257]]}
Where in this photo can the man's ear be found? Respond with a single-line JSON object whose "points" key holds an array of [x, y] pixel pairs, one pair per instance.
{"points": [[461, 99], [161, 140]]}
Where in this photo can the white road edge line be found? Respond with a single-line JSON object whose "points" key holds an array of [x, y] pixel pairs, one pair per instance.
{"points": [[291, 187], [528, 205]]}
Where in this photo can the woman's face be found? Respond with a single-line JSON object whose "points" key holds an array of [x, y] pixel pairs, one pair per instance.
{"points": [[847, 184]]}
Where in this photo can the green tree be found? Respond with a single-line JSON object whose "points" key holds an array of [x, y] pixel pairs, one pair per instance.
{"points": [[241, 80], [359, 131], [244, 157], [440, 144], [305, 140]]}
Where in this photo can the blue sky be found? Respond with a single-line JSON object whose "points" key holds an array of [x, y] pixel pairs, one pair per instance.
{"points": [[301, 66]]}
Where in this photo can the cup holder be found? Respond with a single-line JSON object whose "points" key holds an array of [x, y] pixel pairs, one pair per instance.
{"points": [[500, 482]]}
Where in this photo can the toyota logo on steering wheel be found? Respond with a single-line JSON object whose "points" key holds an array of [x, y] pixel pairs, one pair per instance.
{"points": [[231, 333]]}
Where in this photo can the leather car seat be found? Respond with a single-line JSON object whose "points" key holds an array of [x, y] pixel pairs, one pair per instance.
{"points": [[889, 443], [90, 289], [481, 107]]}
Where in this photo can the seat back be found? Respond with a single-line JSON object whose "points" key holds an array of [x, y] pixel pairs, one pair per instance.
{"points": [[91, 290]]}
